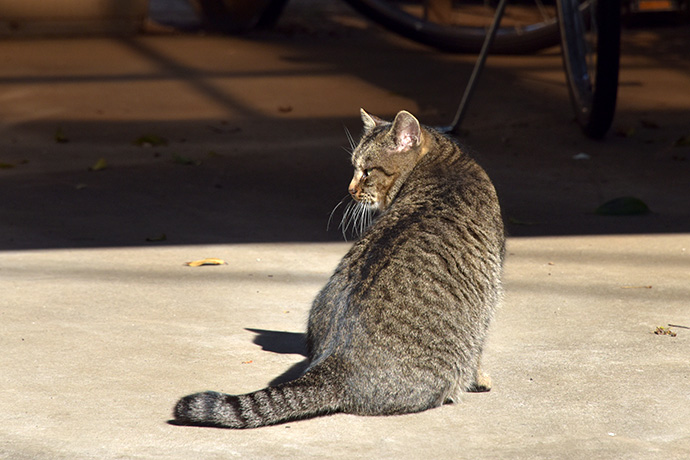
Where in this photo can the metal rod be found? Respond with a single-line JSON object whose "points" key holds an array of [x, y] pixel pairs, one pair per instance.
{"points": [[478, 67]]}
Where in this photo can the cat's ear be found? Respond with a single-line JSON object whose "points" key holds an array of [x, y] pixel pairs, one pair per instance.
{"points": [[407, 131], [370, 121]]}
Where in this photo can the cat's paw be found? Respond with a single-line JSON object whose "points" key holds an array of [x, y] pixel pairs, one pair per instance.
{"points": [[482, 384]]}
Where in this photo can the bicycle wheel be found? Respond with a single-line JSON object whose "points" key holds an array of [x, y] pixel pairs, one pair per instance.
{"points": [[590, 34], [237, 16], [461, 25]]}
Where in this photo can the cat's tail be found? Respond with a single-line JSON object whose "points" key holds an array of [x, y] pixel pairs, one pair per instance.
{"points": [[315, 393]]}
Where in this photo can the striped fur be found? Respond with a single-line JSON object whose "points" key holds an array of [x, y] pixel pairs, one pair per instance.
{"points": [[401, 324]]}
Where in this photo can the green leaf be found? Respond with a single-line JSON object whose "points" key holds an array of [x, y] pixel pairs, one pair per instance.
{"points": [[179, 159], [623, 206], [649, 124], [150, 140], [515, 221], [60, 137], [625, 131], [157, 238], [682, 141], [99, 165]]}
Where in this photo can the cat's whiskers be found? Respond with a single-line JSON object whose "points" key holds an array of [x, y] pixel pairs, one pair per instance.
{"points": [[330, 217], [364, 219], [349, 218], [346, 220], [351, 140], [357, 216]]}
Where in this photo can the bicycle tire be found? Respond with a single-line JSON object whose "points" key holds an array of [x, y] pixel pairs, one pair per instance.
{"points": [[458, 39], [236, 17], [593, 87], [270, 17]]}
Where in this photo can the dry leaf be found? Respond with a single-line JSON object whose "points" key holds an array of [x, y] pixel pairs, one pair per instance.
{"points": [[207, 261], [516, 221], [99, 165], [60, 137], [649, 124], [625, 131], [623, 206], [181, 160], [664, 331], [155, 239], [150, 140], [682, 141]]}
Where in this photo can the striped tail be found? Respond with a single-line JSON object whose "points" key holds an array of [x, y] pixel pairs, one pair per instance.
{"points": [[308, 396]]}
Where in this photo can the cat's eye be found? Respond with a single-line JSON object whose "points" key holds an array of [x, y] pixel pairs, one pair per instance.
{"points": [[367, 172]]}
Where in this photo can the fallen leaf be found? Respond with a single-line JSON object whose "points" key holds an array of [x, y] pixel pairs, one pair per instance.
{"points": [[660, 330], [623, 206], [649, 124], [515, 221], [6, 165], [155, 239], [150, 140], [581, 156], [99, 165], [682, 141], [179, 159], [248, 362], [207, 261], [60, 137], [625, 131]]}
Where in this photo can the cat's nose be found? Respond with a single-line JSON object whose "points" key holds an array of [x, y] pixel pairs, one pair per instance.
{"points": [[352, 188]]}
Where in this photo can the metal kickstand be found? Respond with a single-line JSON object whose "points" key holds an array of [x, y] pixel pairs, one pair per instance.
{"points": [[478, 67]]}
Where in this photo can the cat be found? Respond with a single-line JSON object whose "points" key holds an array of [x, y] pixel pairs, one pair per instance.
{"points": [[400, 325]]}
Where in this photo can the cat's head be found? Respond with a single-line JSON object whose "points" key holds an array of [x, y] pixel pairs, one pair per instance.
{"points": [[384, 158]]}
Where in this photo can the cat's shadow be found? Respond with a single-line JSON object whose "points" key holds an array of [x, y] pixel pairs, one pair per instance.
{"points": [[292, 343]]}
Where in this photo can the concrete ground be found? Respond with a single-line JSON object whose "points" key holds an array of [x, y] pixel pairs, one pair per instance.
{"points": [[103, 327]]}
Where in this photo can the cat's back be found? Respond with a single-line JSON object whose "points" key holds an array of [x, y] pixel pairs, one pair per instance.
{"points": [[441, 238], [434, 255]]}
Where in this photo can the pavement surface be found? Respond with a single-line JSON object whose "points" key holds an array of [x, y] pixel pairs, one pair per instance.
{"points": [[123, 158]]}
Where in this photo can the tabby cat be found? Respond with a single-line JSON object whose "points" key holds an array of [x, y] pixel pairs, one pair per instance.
{"points": [[400, 325]]}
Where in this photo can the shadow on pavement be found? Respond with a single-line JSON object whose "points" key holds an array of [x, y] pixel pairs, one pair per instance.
{"points": [[254, 136]]}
